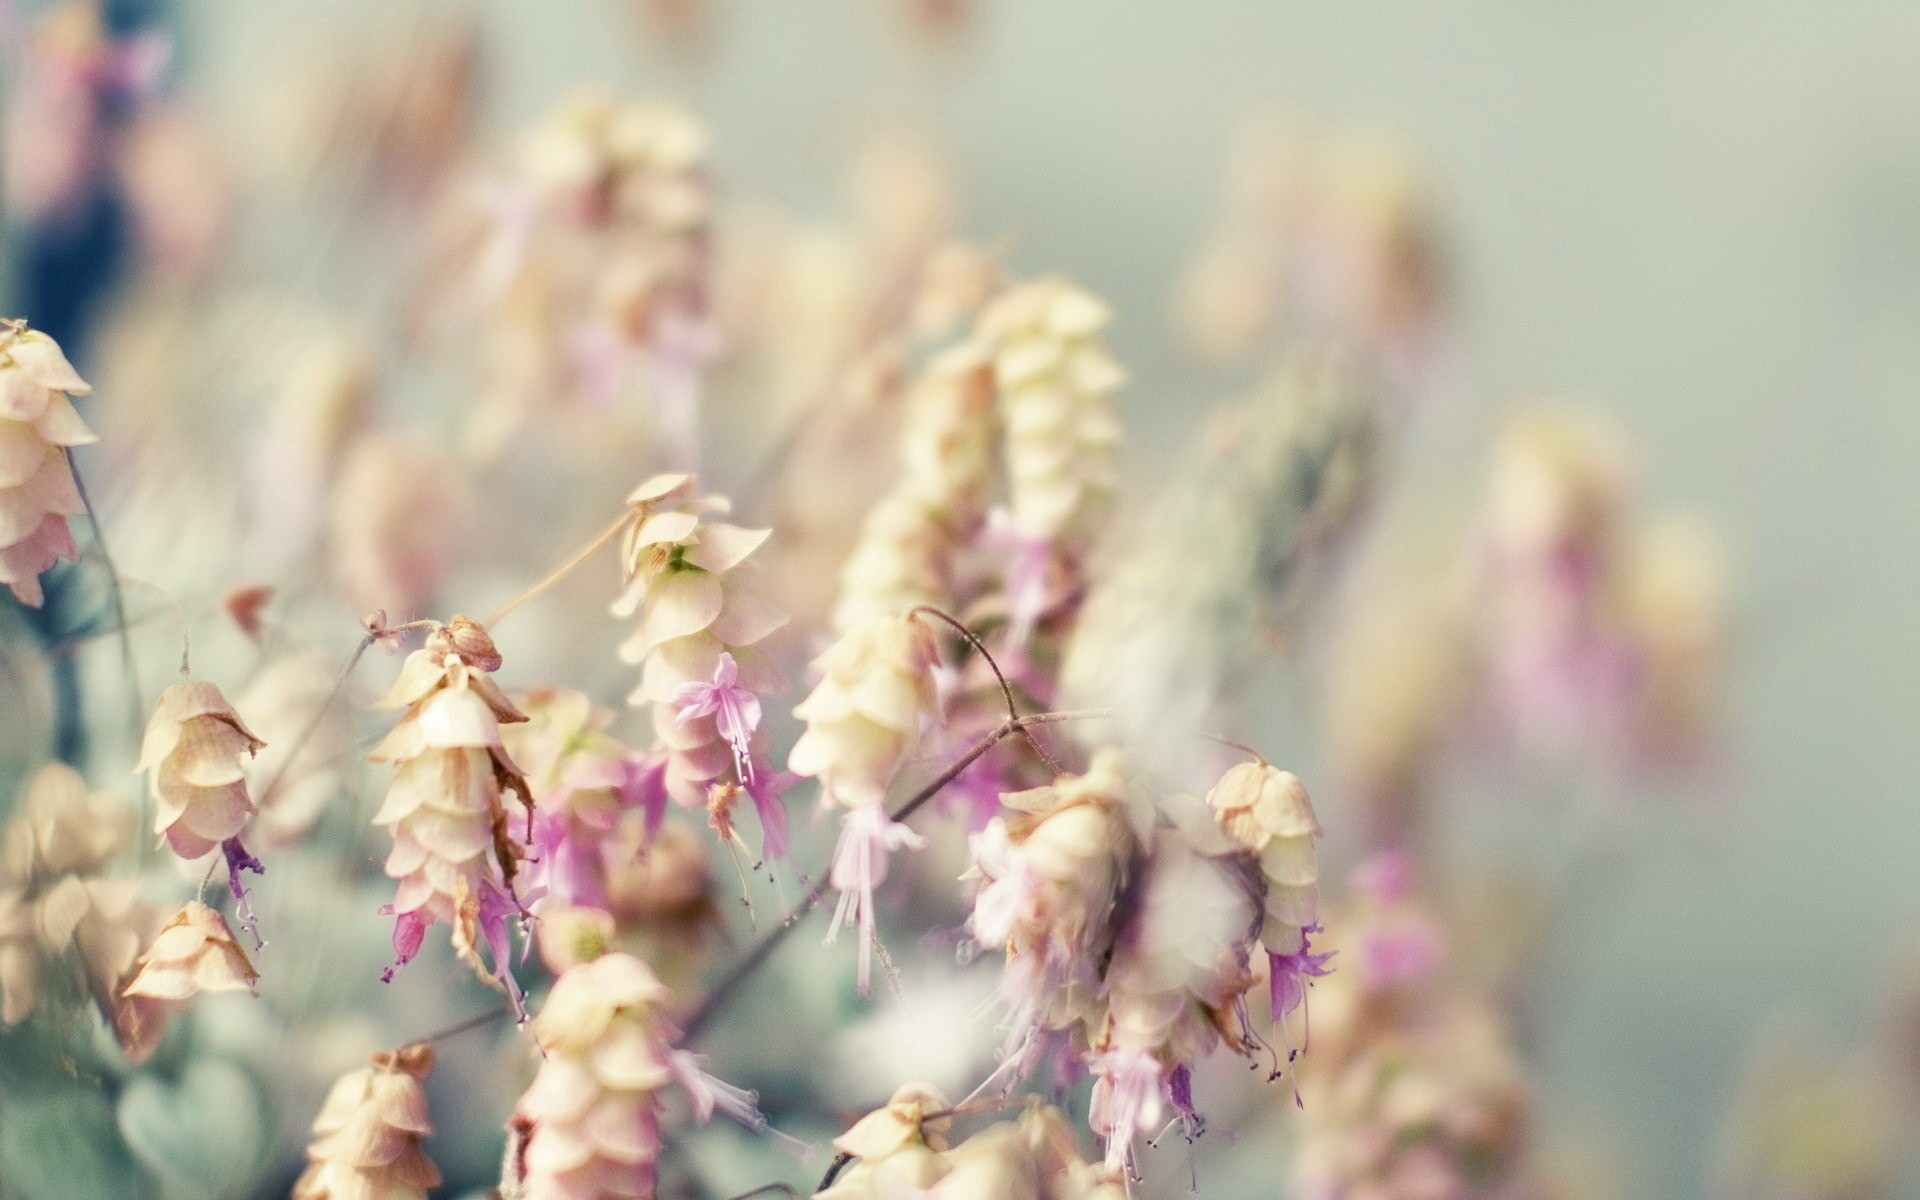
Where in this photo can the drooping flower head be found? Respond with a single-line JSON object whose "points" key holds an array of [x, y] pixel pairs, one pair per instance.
{"points": [[452, 851], [1268, 812], [593, 269], [197, 749], [1051, 872], [864, 720], [367, 1136], [37, 425], [195, 952], [585, 783], [1174, 985], [590, 1123], [702, 668]]}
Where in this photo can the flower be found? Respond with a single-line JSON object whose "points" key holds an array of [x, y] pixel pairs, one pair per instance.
{"points": [[194, 952], [37, 489], [196, 748], [451, 852], [864, 720], [591, 1119], [1051, 873], [734, 709], [368, 1133], [1267, 811], [897, 1147], [585, 783], [701, 667]]}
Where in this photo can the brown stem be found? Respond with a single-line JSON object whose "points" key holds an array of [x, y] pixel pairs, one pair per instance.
{"points": [[1006, 690], [562, 571], [723, 992]]}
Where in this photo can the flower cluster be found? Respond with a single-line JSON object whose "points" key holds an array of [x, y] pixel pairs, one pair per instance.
{"points": [[698, 647], [593, 266], [901, 1149], [55, 894], [911, 545], [1130, 952], [37, 488], [1565, 630], [1268, 812], [368, 1133], [194, 952], [1051, 872], [452, 851], [584, 783], [1320, 232], [864, 720], [197, 749], [1056, 384], [590, 1123]]}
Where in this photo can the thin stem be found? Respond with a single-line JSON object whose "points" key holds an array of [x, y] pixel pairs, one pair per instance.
{"points": [[841, 1162], [562, 571], [180, 614], [1006, 690], [477, 1021], [139, 704], [770, 1189], [724, 991], [320, 714]]}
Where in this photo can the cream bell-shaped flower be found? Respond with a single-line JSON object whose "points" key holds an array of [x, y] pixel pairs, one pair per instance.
{"points": [[864, 721], [585, 784], [1056, 384], [1174, 986], [194, 952], [452, 853], [1050, 874], [702, 670], [37, 489], [1267, 811], [196, 751], [589, 1126], [366, 1143], [898, 1150], [910, 544]]}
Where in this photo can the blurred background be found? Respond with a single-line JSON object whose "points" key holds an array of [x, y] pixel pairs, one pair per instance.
{"points": [[1691, 222]]}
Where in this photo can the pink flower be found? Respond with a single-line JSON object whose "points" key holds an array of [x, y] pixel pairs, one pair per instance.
{"points": [[859, 866], [1126, 1100], [734, 709], [1287, 974]]}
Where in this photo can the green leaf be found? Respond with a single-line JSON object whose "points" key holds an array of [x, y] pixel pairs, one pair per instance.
{"points": [[199, 1136], [62, 1144]]}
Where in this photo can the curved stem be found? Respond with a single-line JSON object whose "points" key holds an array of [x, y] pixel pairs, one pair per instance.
{"points": [[562, 571], [1006, 689], [724, 991]]}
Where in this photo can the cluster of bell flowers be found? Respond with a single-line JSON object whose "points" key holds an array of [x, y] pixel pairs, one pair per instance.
{"points": [[698, 645], [902, 1149], [58, 895], [1565, 626], [864, 721], [585, 783], [1129, 928], [37, 488], [194, 952], [453, 854], [367, 1136], [1414, 1085], [593, 263], [196, 750], [589, 1125], [912, 545]]}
